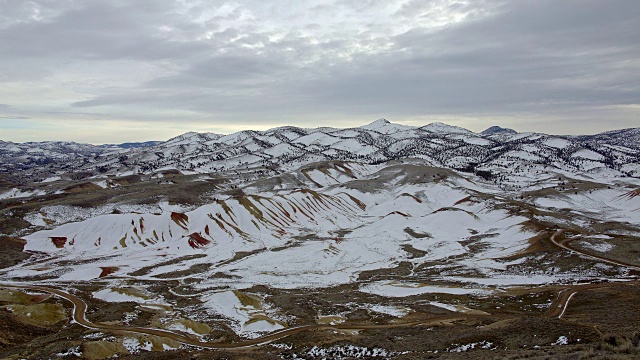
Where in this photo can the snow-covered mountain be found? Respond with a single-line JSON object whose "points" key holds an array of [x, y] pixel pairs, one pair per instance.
{"points": [[498, 130], [492, 153], [265, 189], [32, 154], [57, 154], [387, 217]]}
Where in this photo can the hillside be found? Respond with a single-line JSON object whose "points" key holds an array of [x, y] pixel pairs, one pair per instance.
{"points": [[317, 243], [492, 154]]}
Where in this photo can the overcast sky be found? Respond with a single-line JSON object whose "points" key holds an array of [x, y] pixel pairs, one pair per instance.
{"points": [[133, 70]]}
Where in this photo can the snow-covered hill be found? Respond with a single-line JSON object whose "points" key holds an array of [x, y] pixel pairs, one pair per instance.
{"points": [[325, 224], [493, 154], [360, 218], [386, 211]]}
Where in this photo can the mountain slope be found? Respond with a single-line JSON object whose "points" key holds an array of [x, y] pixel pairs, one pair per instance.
{"points": [[256, 231], [491, 154]]}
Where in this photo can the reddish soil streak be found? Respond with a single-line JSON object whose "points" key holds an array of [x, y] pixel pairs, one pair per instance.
{"points": [[107, 270], [196, 241], [59, 241], [180, 219]]}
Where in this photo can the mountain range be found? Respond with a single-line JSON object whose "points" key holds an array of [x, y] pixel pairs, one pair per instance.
{"points": [[491, 154]]}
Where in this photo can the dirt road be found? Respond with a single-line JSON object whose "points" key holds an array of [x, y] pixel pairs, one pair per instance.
{"points": [[564, 244], [556, 310], [561, 303], [559, 306], [80, 310]]}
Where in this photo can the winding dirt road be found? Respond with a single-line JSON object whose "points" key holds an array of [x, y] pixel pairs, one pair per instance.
{"points": [[556, 310], [80, 310], [564, 244], [561, 303], [559, 306]]}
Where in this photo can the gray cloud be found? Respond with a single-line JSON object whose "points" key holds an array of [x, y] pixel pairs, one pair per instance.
{"points": [[97, 30], [300, 61], [15, 117]]}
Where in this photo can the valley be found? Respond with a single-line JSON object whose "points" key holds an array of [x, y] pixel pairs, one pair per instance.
{"points": [[384, 241]]}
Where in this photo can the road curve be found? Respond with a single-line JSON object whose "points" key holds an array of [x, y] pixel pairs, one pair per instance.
{"points": [[80, 310], [564, 244], [559, 306], [556, 310]]}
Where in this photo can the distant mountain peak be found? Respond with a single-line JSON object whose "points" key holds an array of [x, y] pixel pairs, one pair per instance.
{"points": [[384, 126], [438, 127], [194, 135], [380, 123], [498, 130]]}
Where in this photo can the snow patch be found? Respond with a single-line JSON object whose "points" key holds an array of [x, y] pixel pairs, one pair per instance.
{"points": [[397, 289], [562, 340]]}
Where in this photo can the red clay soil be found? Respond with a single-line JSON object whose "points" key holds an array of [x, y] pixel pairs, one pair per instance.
{"points": [[59, 241], [180, 219], [197, 241], [107, 270]]}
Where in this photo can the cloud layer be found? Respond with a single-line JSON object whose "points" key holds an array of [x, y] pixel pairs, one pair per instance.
{"points": [[75, 68]]}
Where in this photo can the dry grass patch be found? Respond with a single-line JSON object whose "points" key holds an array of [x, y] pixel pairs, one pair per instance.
{"points": [[199, 328], [43, 315], [19, 297], [96, 350]]}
